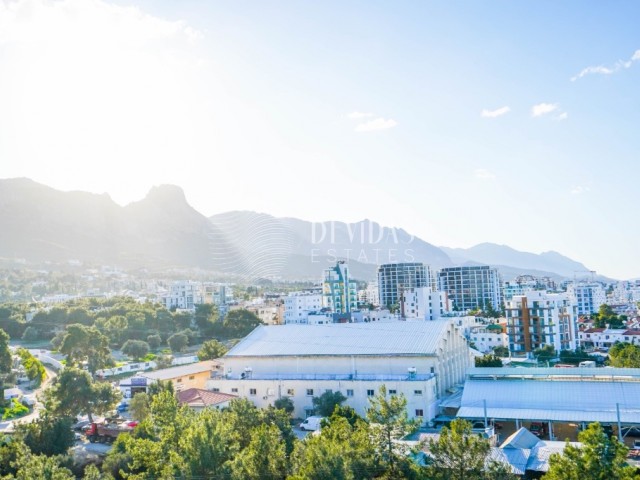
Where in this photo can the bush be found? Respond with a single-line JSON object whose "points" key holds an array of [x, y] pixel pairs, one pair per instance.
{"points": [[15, 410]]}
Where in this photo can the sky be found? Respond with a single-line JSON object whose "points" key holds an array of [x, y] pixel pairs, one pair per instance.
{"points": [[462, 122]]}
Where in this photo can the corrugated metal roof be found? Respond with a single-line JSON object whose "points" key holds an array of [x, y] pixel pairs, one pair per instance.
{"points": [[389, 338], [567, 401], [180, 371]]}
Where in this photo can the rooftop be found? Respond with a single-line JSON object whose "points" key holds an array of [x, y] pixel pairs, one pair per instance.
{"points": [[197, 397], [181, 371], [389, 338]]}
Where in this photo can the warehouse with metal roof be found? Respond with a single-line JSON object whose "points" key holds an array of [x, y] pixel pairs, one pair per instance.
{"points": [[420, 359], [552, 395]]}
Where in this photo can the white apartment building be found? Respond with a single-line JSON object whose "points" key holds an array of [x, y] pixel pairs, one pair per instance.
{"points": [[369, 295], [587, 296], [184, 295], [487, 337], [298, 305], [540, 318], [422, 303], [419, 360], [607, 337]]}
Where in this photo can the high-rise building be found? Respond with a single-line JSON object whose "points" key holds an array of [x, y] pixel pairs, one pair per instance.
{"points": [[587, 296], [540, 318], [394, 278], [339, 292], [472, 287]]}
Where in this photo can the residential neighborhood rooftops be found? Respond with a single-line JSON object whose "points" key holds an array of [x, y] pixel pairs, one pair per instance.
{"points": [[418, 338]]}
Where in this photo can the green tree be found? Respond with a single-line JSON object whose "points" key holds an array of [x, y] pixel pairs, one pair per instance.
{"points": [[238, 324], [154, 341], [460, 454], [284, 403], [139, 406], [501, 351], [30, 334], [263, 459], [5, 353], [24, 465], [325, 404], [342, 451], [86, 344], [488, 360], [205, 317], [624, 355], [74, 392], [606, 316], [34, 368], [601, 457], [544, 353], [211, 349], [47, 435], [208, 445], [389, 422], [135, 349], [178, 342], [5, 360]]}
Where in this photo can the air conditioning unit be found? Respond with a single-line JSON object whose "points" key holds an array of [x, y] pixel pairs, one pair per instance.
{"points": [[265, 397]]}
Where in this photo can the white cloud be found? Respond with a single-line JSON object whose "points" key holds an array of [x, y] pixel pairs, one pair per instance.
{"points": [[495, 113], [376, 124], [562, 116], [484, 174], [602, 70], [543, 109], [578, 189], [359, 115]]}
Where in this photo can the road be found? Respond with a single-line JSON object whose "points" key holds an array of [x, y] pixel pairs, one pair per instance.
{"points": [[8, 426]]}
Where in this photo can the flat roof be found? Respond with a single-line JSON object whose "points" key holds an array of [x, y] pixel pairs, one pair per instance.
{"points": [[412, 338]]}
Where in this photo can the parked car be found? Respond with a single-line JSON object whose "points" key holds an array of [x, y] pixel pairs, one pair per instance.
{"points": [[122, 407]]}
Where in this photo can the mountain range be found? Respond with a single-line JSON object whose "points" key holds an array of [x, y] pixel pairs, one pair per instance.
{"points": [[162, 230]]}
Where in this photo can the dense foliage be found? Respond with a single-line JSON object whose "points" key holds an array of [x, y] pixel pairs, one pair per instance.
{"points": [[624, 355]]}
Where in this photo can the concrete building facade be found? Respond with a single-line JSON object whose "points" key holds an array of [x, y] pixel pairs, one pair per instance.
{"points": [[471, 287], [395, 278]]}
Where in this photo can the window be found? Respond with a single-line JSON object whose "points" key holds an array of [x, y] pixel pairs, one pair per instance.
{"points": [[349, 393], [393, 392], [234, 390], [179, 380], [215, 390], [370, 393], [252, 391], [419, 412], [310, 392], [191, 377], [291, 392], [417, 392]]}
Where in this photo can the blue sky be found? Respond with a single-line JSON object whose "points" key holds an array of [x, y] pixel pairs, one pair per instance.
{"points": [[462, 122]]}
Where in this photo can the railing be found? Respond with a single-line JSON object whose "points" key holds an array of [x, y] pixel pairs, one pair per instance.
{"points": [[329, 376]]}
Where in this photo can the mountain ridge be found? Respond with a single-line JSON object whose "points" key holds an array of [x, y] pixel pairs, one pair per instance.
{"points": [[163, 230]]}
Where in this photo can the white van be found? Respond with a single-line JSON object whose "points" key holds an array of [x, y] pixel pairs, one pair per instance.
{"points": [[311, 424]]}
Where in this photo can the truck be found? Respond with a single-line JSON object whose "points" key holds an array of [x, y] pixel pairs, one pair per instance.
{"points": [[311, 424], [105, 432]]}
